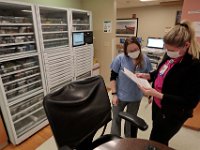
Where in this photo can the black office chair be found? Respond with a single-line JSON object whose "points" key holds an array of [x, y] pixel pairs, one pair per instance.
{"points": [[78, 110]]}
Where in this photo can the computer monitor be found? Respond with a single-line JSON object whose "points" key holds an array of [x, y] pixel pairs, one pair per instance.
{"points": [[77, 39], [153, 42]]}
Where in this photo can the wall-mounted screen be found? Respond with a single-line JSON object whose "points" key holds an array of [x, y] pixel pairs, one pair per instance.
{"points": [[77, 38], [153, 42]]}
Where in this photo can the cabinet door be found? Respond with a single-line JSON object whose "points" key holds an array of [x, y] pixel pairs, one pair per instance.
{"points": [[81, 21], [83, 61], [16, 31], [3, 137], [20, 77], [27, 114], [54, 27], [21, 71], [56, 50]]}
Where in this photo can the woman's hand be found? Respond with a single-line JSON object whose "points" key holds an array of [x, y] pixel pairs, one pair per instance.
{"points": [[115, 100], [151, 92], [143, 75]]}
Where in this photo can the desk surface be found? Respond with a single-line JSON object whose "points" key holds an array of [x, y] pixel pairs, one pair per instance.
{"points": [[159, 52], [132, 144]]}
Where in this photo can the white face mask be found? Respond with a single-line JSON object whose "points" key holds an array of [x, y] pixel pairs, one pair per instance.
{"points": [[134, 55], [173, 54]]}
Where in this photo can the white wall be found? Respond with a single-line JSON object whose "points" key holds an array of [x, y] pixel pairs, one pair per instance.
{"points": [[102, 10], [152, 20]]}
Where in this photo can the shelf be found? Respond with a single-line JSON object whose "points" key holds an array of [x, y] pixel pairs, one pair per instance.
{"points": [[21, 132], [21, 87], [27, 103], [56, 47], [57, 39], [81, 24], [13, 44], [21, 70], [16, 24], [54, 32], [28, 115], [18, 55], [24, 110], [49, 24], [24, 96], [80, 30], [17, 34], [27, 77]]}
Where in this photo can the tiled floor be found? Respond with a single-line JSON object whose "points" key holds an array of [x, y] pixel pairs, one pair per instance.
{"points": [[186, 139]]}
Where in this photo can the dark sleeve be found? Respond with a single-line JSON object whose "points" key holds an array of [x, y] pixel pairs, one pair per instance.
{"points": [[152, 75], [113, 75], [190, 92]]}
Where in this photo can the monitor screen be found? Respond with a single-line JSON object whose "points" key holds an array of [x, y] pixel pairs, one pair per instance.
{"points": [[78, 38], [155, 42]]}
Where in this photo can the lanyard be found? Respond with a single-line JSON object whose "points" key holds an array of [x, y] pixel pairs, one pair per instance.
{"points": [[165, 67]]}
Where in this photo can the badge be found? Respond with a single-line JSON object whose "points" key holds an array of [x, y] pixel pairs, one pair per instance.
{"points": [[163, 69]]}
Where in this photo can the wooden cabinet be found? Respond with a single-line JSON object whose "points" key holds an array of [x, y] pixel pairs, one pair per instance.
{"points": [[194, 122], [3, 135], [22, 87]]}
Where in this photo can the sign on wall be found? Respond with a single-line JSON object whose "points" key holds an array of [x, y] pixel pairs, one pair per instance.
{"points": [[107, 26]]}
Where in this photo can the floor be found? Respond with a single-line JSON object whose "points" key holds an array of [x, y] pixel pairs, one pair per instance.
{"points": [[194, 122], [34, 141], [186, 139]]}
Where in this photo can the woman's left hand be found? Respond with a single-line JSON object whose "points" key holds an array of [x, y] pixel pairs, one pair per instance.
{"points": [[151, 92]]}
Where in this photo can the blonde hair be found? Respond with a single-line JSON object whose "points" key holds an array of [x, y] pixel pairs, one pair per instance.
{"points": [[182, 33]]}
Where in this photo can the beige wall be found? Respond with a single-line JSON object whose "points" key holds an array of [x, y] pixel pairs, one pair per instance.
{"points": [[102, 10], [55, 3], [152, 20]]}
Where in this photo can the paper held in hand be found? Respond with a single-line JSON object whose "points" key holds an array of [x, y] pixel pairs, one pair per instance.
{"points": [[140, 81]]}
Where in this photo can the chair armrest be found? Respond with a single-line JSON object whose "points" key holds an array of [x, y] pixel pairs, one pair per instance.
{"points": [[65, 148], [104, 139], [134, 120]]}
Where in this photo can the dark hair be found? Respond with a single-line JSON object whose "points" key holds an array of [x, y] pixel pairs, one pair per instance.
{"points": [[128, 41], [133, 40]]}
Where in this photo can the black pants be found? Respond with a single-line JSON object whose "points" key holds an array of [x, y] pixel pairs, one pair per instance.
{"points": [[165, 126]]}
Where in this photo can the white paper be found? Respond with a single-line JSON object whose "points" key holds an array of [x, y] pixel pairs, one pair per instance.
{"points": [[140, 81]]}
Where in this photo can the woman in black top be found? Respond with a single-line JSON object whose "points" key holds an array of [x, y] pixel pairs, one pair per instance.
{"points": [[176, 83]]}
